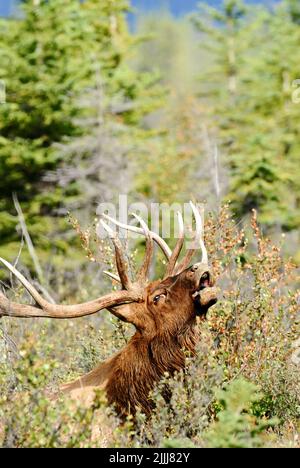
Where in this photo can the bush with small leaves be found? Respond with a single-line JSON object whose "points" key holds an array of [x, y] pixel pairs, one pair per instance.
{"points": [[240, 382]]}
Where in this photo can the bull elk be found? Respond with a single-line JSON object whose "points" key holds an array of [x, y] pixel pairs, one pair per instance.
{"points": [[163, 313]]}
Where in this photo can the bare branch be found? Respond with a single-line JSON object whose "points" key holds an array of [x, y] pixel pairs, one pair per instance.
{"points": [[31, 249], [28, 240], [112, 276]]}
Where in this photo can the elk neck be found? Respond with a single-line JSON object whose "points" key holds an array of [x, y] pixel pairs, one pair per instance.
{"points": [[143, 362]]}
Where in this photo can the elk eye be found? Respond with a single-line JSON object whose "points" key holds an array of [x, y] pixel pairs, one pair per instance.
{"points": [[157, 298]]}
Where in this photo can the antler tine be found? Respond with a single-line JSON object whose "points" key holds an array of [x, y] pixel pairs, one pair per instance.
{"points": [[204, 252], [144, 271], [198, 240], [177, 250], [120, 258], [46, 309], [159, 241], [32, 291], [200, 232]]}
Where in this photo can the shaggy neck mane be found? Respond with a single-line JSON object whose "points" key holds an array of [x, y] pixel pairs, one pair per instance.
{"points": [[143, 363]]}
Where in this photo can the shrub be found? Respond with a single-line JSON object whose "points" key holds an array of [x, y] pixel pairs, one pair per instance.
{"points": [[229, 394], [236, 425]]}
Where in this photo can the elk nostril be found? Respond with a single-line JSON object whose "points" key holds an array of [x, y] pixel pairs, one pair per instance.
{"points": [[195, 268]]}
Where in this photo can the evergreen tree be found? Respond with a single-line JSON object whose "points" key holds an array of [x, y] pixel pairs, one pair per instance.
{"points": [[51, 59], [44, 73], [169, 47], [254, 62]]}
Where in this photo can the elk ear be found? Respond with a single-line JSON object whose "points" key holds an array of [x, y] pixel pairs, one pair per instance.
{"points": [[126, 313]]}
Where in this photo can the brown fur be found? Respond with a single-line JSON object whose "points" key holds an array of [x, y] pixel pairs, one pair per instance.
{"points": [[165, 330]]}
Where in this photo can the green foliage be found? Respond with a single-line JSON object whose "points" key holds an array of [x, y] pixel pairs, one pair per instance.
{"points": [[178, 443], [81, 90], [245, 348], [240, 390], [42, 86], [236, 426], [169, 47], [33, 418], [248, 88], [68, 49]]}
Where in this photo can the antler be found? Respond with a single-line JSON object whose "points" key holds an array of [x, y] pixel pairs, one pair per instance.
{"points": [[177, 250], [132, 291], [14, 309], [120, 258], [144, 271], [46, 309], [172, 257], [197, 241], [160, 242], [121, 264]]}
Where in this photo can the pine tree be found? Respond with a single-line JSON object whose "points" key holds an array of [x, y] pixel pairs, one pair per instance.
{"points": [[251, 109], [264, 156], [50, 62]]}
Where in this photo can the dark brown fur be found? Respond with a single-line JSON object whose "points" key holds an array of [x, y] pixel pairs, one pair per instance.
{"points": [[163, 313], [165, 331]]}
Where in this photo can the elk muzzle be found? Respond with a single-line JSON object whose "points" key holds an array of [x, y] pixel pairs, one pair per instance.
{"points": [[205, 294]]}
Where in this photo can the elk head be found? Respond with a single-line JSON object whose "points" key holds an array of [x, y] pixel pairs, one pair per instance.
{"points": [[163, 312]]}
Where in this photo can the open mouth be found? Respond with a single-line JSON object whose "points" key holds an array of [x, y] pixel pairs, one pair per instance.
{"points": [[205, 296], [204, 281]]}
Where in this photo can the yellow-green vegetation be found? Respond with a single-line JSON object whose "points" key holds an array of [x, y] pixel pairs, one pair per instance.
{"points": [[204, 107], [241, 390]]}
